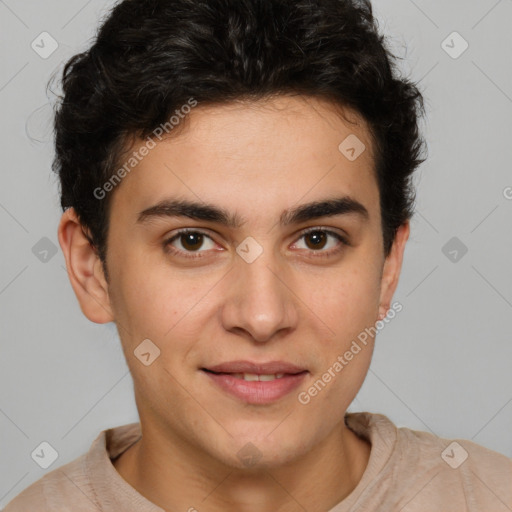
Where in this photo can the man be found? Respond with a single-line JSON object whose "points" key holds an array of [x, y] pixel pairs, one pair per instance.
{"points": [[236, 179]]}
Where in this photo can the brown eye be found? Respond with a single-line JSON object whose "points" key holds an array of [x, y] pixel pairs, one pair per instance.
{"points": [[322, 242], [318, 239], [187, 242], [191, 241]]}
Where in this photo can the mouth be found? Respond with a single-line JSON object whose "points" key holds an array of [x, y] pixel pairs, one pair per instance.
{"points": [[256, 383], [255, 377]]}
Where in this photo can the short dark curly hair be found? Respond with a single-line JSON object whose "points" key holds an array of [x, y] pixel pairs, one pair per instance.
{"points": [[151, 56]]}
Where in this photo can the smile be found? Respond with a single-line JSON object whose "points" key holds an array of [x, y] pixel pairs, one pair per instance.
{"points": [[256, 388]]}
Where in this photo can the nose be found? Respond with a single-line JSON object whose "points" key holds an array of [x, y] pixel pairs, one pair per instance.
{"points": [[259, 302]]}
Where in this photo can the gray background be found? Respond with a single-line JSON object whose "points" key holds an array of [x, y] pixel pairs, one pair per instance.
{"points": [[442, 365]]}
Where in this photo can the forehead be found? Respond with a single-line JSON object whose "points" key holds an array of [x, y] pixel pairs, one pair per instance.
{"points": [[256, 154]]}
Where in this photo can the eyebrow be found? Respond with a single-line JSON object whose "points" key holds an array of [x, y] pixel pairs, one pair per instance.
{"points": [[208, 212]]}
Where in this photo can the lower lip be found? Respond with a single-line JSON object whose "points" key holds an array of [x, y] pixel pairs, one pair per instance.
{"points": [[257, 392]]}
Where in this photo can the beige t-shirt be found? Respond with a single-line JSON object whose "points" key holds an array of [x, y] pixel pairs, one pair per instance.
{"points": [[408, 471]]}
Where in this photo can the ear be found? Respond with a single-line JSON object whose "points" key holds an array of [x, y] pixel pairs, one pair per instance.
{"points": [[84, 269], [392, 268]]}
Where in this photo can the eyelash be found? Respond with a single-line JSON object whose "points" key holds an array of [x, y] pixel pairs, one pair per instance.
{"points": [[317, 254]]}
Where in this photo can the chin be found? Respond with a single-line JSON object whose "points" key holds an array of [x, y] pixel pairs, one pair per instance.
{"points": [[262, 451]]}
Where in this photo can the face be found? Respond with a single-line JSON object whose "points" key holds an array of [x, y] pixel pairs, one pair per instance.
{"points": [[279, 283]]}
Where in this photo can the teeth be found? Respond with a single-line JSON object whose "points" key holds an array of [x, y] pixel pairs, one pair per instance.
{"points": [[255, 377], [271, 377]]}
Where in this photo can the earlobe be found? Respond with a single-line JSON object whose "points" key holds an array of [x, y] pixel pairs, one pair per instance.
{"points": [[84, 269], [392, 269]]}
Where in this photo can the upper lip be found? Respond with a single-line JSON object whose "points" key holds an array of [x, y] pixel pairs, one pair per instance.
{"points": [[270, 368]]}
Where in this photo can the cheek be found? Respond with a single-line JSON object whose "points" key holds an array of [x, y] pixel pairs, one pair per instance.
{"points": [[169, 309], [350, 310], [151, 298], [345, 300]]}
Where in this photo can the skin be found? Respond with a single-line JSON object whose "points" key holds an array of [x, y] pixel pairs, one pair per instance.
{"points": [[256, 159]]}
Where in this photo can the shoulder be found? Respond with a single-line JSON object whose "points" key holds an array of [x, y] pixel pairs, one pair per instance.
{"points": [[85, 483], [61, 489], [421, 469], [477, 476], [454, 453]]}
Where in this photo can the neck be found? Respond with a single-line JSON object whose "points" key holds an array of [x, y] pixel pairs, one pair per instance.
{"points": [[176, 476]]}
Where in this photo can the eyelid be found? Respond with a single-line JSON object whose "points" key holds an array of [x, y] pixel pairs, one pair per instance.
{"points": [[186, 254], [328, 230], [342, 238]]}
